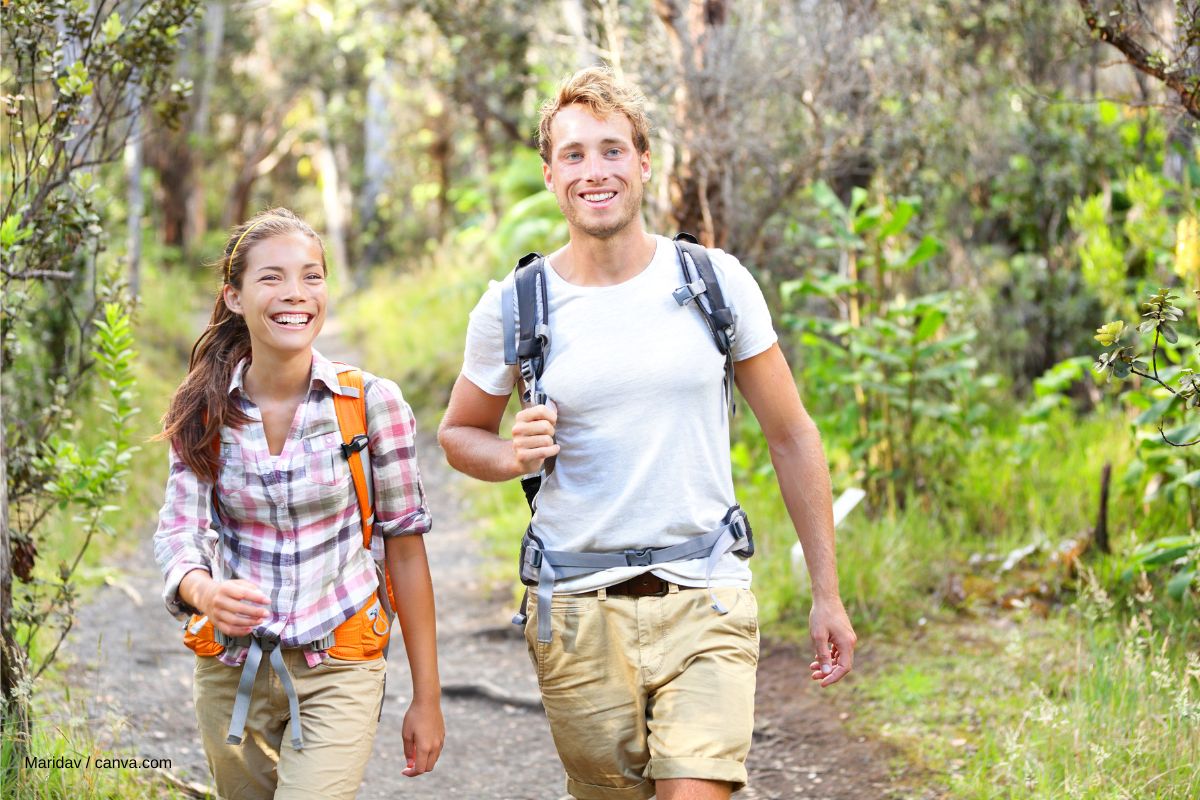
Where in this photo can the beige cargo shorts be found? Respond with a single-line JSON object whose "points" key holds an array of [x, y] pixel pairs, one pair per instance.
{"points": [[639, 689], [339, 709]]}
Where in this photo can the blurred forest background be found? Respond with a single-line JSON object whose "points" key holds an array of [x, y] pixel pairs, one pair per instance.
{"points": [[943, 202]]}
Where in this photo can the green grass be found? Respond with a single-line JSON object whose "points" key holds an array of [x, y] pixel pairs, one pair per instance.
{"points": [[1080, 705], [69, 764]]}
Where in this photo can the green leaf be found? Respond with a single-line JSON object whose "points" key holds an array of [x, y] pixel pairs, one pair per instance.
{"points": [[1157, 411], [926, 249], [112, 27], [931, 323], [1180, 583]]}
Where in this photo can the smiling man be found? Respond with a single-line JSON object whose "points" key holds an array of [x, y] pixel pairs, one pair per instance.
{"points": [[645, 632]]}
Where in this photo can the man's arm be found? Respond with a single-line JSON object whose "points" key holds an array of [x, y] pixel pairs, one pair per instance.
{"points": [[766, 382], [470, 435]]}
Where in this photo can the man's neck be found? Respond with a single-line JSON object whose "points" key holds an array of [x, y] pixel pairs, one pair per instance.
{"points": [[591, 261], [276, 377]]}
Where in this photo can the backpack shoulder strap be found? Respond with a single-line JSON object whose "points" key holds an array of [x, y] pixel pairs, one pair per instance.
{"points": [[525, 313], [351, 409], [702, 286]]}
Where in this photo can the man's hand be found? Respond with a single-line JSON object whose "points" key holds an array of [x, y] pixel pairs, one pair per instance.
{"points": [[833, 639], [235, 608], [424, 733], [533, 437]]}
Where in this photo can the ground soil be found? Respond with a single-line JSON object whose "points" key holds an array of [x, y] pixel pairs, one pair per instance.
{"points": [[130, 670]]}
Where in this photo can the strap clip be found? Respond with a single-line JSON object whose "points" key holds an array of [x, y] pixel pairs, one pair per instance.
{"points": [[639, 558], [355, 445], [268, 642], [689, 291]]}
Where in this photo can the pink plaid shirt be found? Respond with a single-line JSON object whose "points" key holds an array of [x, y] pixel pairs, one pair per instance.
{"points": [[290, 523]]}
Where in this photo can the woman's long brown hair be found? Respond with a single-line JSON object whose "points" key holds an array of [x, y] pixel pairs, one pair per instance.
{"points": [[202, 403]]}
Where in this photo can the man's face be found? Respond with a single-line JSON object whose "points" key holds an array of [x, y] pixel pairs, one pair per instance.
{"points": [[595, 171]]}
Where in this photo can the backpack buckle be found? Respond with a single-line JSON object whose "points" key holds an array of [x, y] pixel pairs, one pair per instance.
{"points": [[639, 558], [689, 291], [355, 445], [268, 642]]}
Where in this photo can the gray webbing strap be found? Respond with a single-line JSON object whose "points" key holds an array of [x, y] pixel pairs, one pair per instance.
{"points": [[241, 704], [555, 564], [289, 689], [245, 690]]}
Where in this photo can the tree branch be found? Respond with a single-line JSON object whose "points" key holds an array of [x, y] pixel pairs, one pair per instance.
{"points": [[1179, 81]]}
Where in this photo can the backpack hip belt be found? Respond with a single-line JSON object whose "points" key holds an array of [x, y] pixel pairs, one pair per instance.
{"points": [[366, 634], [541, 567]]}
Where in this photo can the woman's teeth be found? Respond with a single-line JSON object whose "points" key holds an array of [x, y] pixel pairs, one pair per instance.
{"points": [[294, 320]]}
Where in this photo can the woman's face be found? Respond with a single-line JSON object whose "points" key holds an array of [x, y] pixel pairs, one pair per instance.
{"points": [[283, 294]]}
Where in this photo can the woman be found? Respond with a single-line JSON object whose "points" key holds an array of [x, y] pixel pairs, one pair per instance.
{"points": [[262, 541]]}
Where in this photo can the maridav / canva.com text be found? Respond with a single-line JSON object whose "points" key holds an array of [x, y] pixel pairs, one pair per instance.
{"points": [[96, 762]]}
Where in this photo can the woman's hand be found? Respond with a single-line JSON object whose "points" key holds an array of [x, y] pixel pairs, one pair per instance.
{"points": [[424, 733], [235, 607]]}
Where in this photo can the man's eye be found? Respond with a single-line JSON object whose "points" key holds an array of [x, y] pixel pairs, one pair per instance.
{"points": [[614, 151]]}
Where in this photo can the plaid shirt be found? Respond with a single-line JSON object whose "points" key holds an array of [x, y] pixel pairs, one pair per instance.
{"points": [[291, 523]]}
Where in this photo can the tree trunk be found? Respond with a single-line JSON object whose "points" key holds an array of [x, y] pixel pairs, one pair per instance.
{"points": [[695, 176], [331, 199], [195, 221], [14, 710], [377, 161], [135, 201]]}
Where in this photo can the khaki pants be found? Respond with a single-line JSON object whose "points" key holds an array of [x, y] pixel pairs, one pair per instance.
{"points": [[639, 689], [339, 710]]}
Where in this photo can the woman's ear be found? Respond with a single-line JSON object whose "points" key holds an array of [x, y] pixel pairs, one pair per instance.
{"points": [[233, 299]]}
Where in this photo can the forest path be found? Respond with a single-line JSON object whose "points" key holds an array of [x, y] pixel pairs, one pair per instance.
{"points": [[127, 658]]}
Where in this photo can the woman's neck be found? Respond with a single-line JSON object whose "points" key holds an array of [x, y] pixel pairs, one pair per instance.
{"points": [[274, 377]]}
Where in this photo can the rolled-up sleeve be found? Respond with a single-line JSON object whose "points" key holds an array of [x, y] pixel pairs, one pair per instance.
{"points": [[185, 539], [392, 432]]}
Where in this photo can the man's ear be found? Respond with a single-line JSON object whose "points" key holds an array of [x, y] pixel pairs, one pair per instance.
{"points": [[233, 298], [547, 177], [644, 159]]}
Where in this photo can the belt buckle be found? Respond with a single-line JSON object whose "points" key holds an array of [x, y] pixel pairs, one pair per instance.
{"points": [[647, 579], [638, 558]]}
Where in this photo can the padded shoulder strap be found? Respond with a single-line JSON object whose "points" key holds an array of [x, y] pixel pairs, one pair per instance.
{"points": [[708, 295], [352, 420], [533, 332]]}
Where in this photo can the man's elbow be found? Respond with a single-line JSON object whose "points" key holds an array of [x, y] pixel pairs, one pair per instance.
{"points": [[798, 436]]}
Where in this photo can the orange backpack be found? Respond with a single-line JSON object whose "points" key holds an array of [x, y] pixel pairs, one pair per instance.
{"points": [[365, 635]]}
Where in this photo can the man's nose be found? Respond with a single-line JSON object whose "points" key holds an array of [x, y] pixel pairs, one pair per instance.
{"points": [[596, 168]]}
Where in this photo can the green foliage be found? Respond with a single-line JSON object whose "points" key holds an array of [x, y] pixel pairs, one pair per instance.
{"points": [[895, 372], [85, 479], [1074, 706], [76, 75]]}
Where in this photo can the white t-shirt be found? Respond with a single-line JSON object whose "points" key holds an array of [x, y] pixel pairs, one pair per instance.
{"points": [[642, 416]]}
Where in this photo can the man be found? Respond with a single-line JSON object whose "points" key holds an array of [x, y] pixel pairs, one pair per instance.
{"points": [[648, 674]]}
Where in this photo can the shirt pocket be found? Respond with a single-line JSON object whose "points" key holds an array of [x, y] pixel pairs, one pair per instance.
{"points": [[232, 475], [324, 464]]}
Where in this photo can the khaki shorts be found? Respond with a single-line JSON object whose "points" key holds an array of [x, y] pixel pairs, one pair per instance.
{"points": [[339, 706], [639, 689]]}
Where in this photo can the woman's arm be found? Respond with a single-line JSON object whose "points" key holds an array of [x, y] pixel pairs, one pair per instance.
{"points": [[424, 730]]}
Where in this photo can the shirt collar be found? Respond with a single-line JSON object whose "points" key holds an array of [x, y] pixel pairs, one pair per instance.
{"points": [[323, 371]]}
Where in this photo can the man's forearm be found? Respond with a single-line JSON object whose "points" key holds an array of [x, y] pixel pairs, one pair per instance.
{"points": [[478, 453], [803, 475]]}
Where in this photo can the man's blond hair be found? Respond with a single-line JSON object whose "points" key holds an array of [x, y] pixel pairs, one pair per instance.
{"points": [[599, 91]]}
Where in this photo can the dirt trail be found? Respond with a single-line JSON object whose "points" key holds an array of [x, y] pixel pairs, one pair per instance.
{"points": [[135, 677]]}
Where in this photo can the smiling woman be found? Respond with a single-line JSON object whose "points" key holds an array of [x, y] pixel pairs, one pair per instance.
{"points": [[283, 465]]}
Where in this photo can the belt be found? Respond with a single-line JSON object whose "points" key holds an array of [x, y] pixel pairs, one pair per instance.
{"points": [[645, 585]]}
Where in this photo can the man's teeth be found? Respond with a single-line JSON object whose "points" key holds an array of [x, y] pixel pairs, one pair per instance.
{"points": [[291, 319], [599, 198]]}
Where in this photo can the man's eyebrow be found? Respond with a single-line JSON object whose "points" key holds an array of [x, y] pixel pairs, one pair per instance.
{"points": [[605, 141]]}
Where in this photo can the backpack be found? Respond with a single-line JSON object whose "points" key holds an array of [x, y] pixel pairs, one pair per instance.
{"points": [[365, 635], [525, 313]]}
